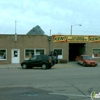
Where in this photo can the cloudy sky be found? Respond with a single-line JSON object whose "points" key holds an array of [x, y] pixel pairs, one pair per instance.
{"points": [[55, 15]]}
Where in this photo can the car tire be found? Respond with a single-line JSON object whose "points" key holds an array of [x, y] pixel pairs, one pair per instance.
{"points": [[24, 66], [44, 66]]}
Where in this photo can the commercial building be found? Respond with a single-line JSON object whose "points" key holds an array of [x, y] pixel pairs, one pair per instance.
{"points": [[68, 47], [15, 48]]}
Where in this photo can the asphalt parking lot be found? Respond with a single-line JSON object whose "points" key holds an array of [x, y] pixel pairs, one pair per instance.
{"points": [[68, 81]]}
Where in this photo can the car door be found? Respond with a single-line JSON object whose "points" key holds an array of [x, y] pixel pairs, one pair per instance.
{"points": [[36, 61], [32, 61]]}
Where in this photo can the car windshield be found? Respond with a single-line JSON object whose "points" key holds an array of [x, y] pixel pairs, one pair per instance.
{"points": [[87, 57]]}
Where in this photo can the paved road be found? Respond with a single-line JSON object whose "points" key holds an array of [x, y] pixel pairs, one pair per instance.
{"points": [[63, 82]]}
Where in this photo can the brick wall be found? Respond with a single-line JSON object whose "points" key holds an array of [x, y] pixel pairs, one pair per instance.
{"points": [[33, 41]]}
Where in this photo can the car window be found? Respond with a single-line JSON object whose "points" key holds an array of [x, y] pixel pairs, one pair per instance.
{"points": [[38, 57], [33, 58], [87, 57], [44, 57]]}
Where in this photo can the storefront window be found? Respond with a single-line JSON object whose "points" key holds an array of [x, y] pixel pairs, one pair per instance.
{"points": [[29, 53], [3, 54], [59, 52], [40, 52], [96, 53]]}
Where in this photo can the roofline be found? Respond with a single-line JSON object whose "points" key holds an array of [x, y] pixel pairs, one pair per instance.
{"points": [[22, 34]]}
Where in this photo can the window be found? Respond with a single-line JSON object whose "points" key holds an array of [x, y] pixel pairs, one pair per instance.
{"points": [[29, 53], [96, 53], [87, 57], [59, 52], [3, 54], [15, 53], [40, 52]]}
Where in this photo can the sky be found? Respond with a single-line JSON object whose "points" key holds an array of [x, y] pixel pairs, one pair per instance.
{"points": [[21, 16]]}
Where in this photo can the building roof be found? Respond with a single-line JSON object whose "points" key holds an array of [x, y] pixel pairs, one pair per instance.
{"points": [[36, 31]]}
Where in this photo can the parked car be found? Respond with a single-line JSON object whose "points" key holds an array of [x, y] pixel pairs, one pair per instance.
{"points": [[43, 61], [86, 60]]}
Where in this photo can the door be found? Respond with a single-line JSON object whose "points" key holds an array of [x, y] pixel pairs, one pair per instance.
{"points": [[35, 61], [15, 56]]}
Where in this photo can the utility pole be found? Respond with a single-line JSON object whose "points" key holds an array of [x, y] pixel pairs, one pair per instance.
{"points": [[49, 39], [15, 32]]}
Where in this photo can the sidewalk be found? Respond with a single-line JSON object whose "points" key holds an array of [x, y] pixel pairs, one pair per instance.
{"points": [[10, 66]]}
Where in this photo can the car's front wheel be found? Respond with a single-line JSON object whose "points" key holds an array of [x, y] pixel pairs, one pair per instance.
{"points": [[44, 66], [24, 66]]}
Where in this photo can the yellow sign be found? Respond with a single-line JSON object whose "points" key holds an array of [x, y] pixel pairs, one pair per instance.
{"points": [[60, 38], [64, 38], [77, 38], [94, 39]]}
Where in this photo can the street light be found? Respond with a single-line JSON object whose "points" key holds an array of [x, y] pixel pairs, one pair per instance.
{"points": [[74, 25]]}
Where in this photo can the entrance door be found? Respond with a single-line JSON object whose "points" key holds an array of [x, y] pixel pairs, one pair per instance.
{"points": [[15, 56], [75, 49]]}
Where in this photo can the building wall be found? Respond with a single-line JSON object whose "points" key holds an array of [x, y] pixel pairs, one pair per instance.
{"points": [[63, 46], [33, 41], [23, 42], [90, 47]]}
